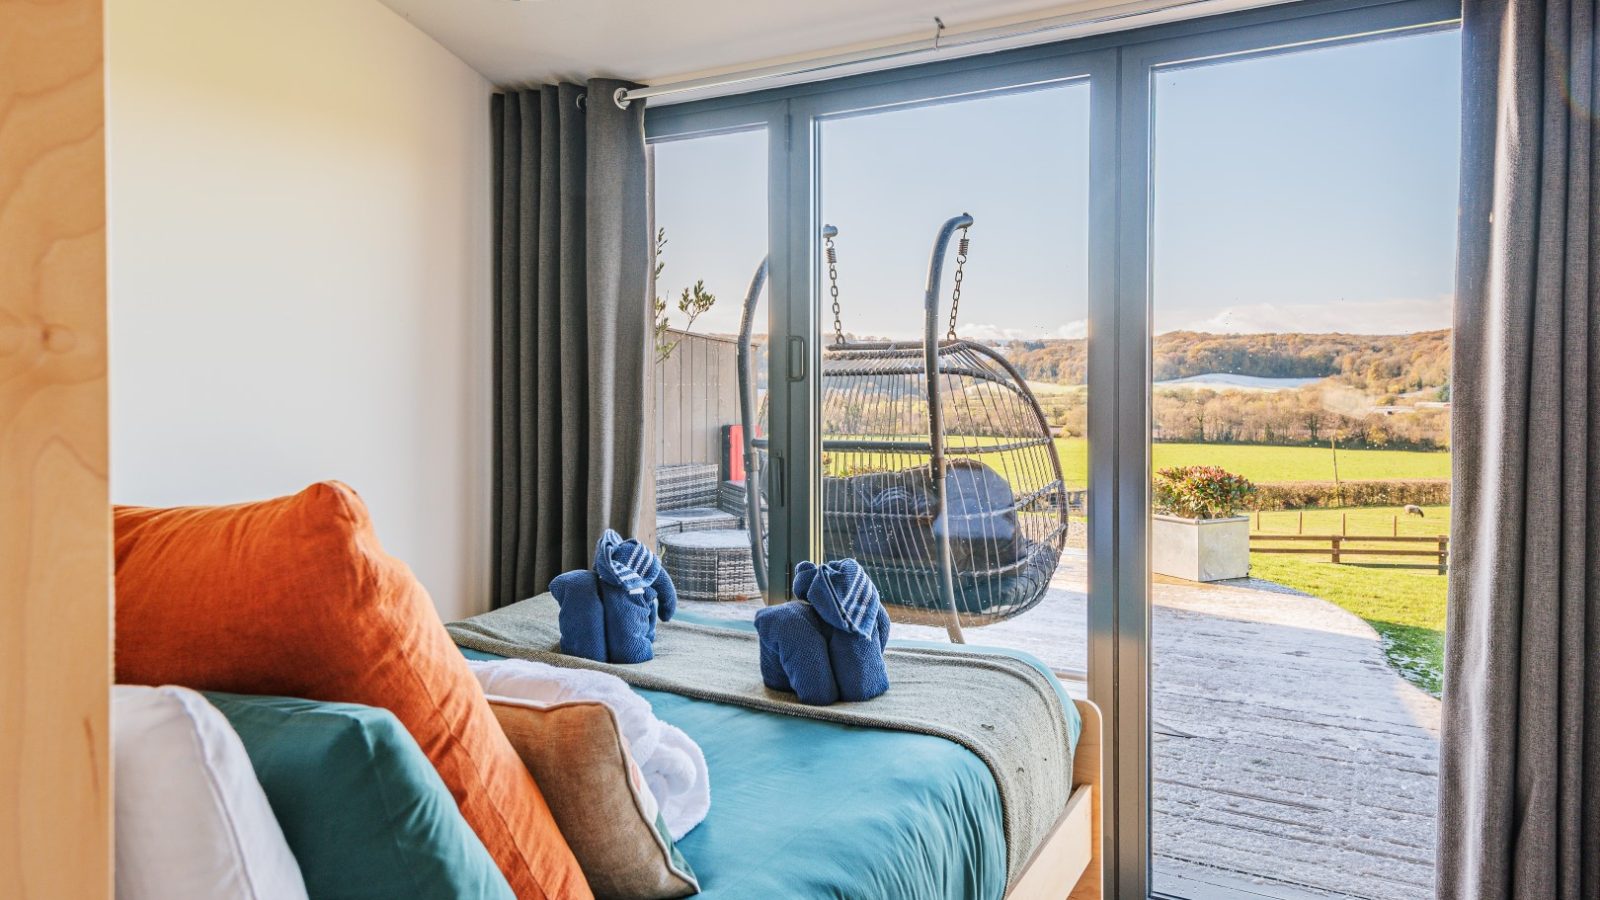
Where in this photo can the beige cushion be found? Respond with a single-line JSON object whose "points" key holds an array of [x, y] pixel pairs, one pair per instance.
{"points": [[598, 797]]}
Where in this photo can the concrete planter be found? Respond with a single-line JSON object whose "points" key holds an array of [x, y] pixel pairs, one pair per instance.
{"points": [[1200, 549]]}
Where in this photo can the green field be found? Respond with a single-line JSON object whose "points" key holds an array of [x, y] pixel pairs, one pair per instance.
{"points": [[1434, 521], [1405, 607], [1261, 463], [1257, 462]]}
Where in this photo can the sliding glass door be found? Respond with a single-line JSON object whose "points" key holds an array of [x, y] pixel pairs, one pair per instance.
{"points": [[1301, 269], [1004, 562], [1130, 353], [709, 370]]}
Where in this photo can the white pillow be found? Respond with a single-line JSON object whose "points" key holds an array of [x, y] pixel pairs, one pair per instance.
{"points": [[192, 821]]}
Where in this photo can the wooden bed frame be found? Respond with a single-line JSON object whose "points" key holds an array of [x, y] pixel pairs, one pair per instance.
{"points": [[1067, 864]]}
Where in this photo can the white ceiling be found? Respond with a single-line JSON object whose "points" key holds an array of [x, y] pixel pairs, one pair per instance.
{"points": [[518, 42]]}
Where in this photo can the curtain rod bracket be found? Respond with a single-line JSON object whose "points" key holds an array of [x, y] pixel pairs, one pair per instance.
{"points": [[938, 31]]}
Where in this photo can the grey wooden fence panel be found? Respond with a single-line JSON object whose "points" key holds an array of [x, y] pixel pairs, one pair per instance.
{"points": [[696, 393]]}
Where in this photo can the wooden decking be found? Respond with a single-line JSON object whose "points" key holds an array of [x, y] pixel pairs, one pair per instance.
{"points": [[1288, 760]]}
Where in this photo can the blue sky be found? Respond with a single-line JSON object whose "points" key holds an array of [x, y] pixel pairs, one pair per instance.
{"points": [[1313, 190]]}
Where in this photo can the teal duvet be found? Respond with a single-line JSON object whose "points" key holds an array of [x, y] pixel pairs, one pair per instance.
{"points": [[801, 808], [809, 809]]}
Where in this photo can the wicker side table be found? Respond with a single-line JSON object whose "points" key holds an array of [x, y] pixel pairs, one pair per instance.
{"points": [[710, 565]]}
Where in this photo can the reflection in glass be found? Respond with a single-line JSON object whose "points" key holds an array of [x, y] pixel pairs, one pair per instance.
{"points": [[711, 216]]}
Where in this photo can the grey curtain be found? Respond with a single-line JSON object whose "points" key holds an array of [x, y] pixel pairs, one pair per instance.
{"points": [[572, 319], [1520, 769]]}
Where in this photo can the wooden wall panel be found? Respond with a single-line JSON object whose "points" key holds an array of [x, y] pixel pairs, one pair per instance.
{"points": [[696, 393], [55, 544]]}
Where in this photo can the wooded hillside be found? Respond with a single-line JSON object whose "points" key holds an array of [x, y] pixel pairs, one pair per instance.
{"points": [[1378, 364]]}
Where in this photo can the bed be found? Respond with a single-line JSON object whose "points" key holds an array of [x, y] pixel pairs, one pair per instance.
{"points": [[908, 816]]}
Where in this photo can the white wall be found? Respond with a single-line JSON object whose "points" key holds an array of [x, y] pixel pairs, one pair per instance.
{"points": [[300, 262]]}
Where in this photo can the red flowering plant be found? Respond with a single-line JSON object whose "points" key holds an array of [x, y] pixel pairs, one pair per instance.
{"points": [[1201, 492]]}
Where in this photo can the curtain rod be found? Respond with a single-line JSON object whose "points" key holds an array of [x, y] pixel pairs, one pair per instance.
{"points": [[938, 42]]}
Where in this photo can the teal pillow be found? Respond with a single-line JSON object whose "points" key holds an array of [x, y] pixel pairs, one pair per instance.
{"points": [[363, 810]]}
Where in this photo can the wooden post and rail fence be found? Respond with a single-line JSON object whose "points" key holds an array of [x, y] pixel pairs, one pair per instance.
{"points": [[1435, 550]]}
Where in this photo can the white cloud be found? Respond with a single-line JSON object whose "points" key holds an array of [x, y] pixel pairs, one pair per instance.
{"points": [[981, 331], [1398, 316]]}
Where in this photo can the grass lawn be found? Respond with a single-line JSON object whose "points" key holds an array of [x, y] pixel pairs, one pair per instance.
{"points": [[1266, 463], [1259, 463], [1405, 607]]}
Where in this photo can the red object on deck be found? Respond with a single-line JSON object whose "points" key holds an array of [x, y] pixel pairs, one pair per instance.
{"points": [[733, 452]]}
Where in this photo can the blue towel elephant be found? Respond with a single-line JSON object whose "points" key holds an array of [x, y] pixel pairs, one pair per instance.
{"points": [[608, 613], [827, 645]]}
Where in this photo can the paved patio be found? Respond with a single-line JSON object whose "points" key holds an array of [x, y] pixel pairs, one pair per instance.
{"points": [[1288, 760]]}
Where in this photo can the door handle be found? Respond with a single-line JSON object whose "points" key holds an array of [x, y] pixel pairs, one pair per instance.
{"points": [[797, 358], [780, 475]]}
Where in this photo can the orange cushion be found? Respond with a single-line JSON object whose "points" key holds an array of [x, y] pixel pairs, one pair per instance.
{"points": [[294, 596]]}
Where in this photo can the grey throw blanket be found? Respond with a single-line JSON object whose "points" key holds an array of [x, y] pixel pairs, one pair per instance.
{"points": [[1002, 709]]}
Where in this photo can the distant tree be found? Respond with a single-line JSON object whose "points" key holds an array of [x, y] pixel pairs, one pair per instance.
{"points": [[664, 344], [1313, 422], [693, 302]]}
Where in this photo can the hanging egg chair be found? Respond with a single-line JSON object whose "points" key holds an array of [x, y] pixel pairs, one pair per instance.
{"points": [[940, 473]]}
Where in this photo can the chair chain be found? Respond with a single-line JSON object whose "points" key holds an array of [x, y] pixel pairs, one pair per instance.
{"points": [[961, 271], [833, 291]]}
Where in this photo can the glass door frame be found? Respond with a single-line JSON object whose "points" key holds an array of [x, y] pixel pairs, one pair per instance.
{"points": [[1119, 68], [1095, 69], [788, 510], [793, 117], [1140, 64]]}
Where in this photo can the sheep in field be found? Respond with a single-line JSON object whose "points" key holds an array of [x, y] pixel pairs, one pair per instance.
{"points": [[1414, 510]]}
